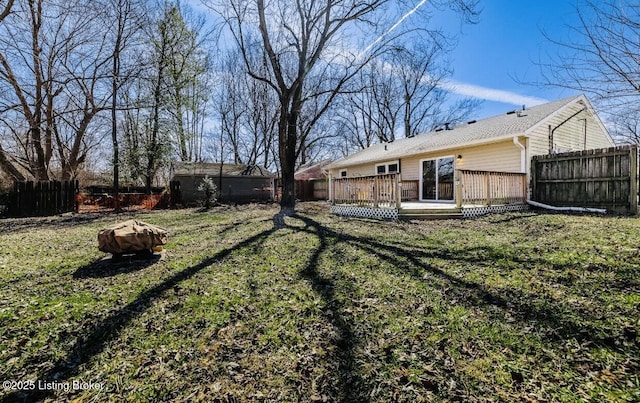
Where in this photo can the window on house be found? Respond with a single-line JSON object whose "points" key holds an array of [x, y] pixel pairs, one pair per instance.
{"points": [[343, 173], [388, 168]]}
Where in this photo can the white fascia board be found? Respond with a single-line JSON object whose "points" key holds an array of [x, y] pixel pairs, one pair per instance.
{"points": [[557, 112]]}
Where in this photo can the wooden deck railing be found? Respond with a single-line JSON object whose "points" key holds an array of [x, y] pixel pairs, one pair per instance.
{"points": [[410, 190], [475, 187], [376, 191], [490, 188]]}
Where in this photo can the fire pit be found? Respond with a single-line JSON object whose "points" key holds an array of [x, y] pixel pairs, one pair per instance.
{"points": [[132, 237]]}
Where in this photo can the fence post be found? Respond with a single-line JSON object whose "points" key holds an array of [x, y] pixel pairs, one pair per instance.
{"points": [[486, 189], [398, 191], [334, 191], [32, 203], [375, 192], [458, 189], [14, 201], [534, 176]]}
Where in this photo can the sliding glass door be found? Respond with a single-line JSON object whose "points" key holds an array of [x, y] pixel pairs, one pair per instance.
{"points": [[437, 179]]}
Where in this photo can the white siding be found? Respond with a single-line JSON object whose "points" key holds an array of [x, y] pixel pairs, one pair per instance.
{"points": [[501, 157], [570, 136], [356, 170]]}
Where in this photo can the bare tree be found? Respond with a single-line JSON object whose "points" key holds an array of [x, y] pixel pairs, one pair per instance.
{"points": [[626, 129], [385, 91], [600, 57], [300, 40], [125, 20], [260, 120], [6, 9], [421, 71], [401, 94], [25, 100], [55, 72], [295, 37], [5, 164], [247, 109], [357, 115], [230, 105], [135, 127]]}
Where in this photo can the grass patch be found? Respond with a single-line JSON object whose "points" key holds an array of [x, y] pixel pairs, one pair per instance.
{"points": [[514, 307]]}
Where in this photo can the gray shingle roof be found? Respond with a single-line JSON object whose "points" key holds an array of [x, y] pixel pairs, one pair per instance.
{"points": [[213, 169], [485, 130]]}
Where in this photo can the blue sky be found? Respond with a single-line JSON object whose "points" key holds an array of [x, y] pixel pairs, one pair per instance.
{"points": [[499, 50], [493, 55]]}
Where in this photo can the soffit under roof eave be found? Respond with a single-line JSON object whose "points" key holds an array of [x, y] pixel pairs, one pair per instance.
{"points": [[438, 149]]}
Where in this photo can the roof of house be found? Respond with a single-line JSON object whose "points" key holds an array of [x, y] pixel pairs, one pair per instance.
{"points": [[314, 170], [516, 123], [213, 169]]}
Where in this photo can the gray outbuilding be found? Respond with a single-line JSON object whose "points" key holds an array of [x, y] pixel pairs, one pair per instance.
{"points": [[236, 183]]}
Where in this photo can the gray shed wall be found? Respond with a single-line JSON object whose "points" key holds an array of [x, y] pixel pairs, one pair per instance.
{"points": [[237, 189]]}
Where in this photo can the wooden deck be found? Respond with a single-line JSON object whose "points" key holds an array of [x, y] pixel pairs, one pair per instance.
{"points": [[389, 197]]}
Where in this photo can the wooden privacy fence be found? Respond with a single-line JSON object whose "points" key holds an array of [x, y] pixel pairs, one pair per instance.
{"points": [[491, 188], [604, 178], [311, 189], [31, 199], [376, 191]]}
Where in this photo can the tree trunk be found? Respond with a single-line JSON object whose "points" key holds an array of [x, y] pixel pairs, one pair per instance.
{"points": [[152, 152], [114, 124], [288, 138], [182, 136]]}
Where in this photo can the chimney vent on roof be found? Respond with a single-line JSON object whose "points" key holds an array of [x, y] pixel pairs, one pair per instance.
{"points": [[447, 126]]}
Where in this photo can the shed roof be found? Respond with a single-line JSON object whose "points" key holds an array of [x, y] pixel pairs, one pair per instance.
{"points": [[213, 169], [496, 128], [314, 170]]}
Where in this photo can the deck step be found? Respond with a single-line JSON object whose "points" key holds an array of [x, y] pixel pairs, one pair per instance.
{"points": [[452, 210], [429, 214]]}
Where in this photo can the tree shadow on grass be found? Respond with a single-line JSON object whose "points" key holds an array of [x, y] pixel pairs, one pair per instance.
{"points": [[563, 322], [349, 383], [107, 267], [109, 328], [349, 386], [14, 225]]}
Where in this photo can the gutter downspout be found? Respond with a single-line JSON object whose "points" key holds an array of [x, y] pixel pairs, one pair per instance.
{"points": [[523, 166], [523, 154]]}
